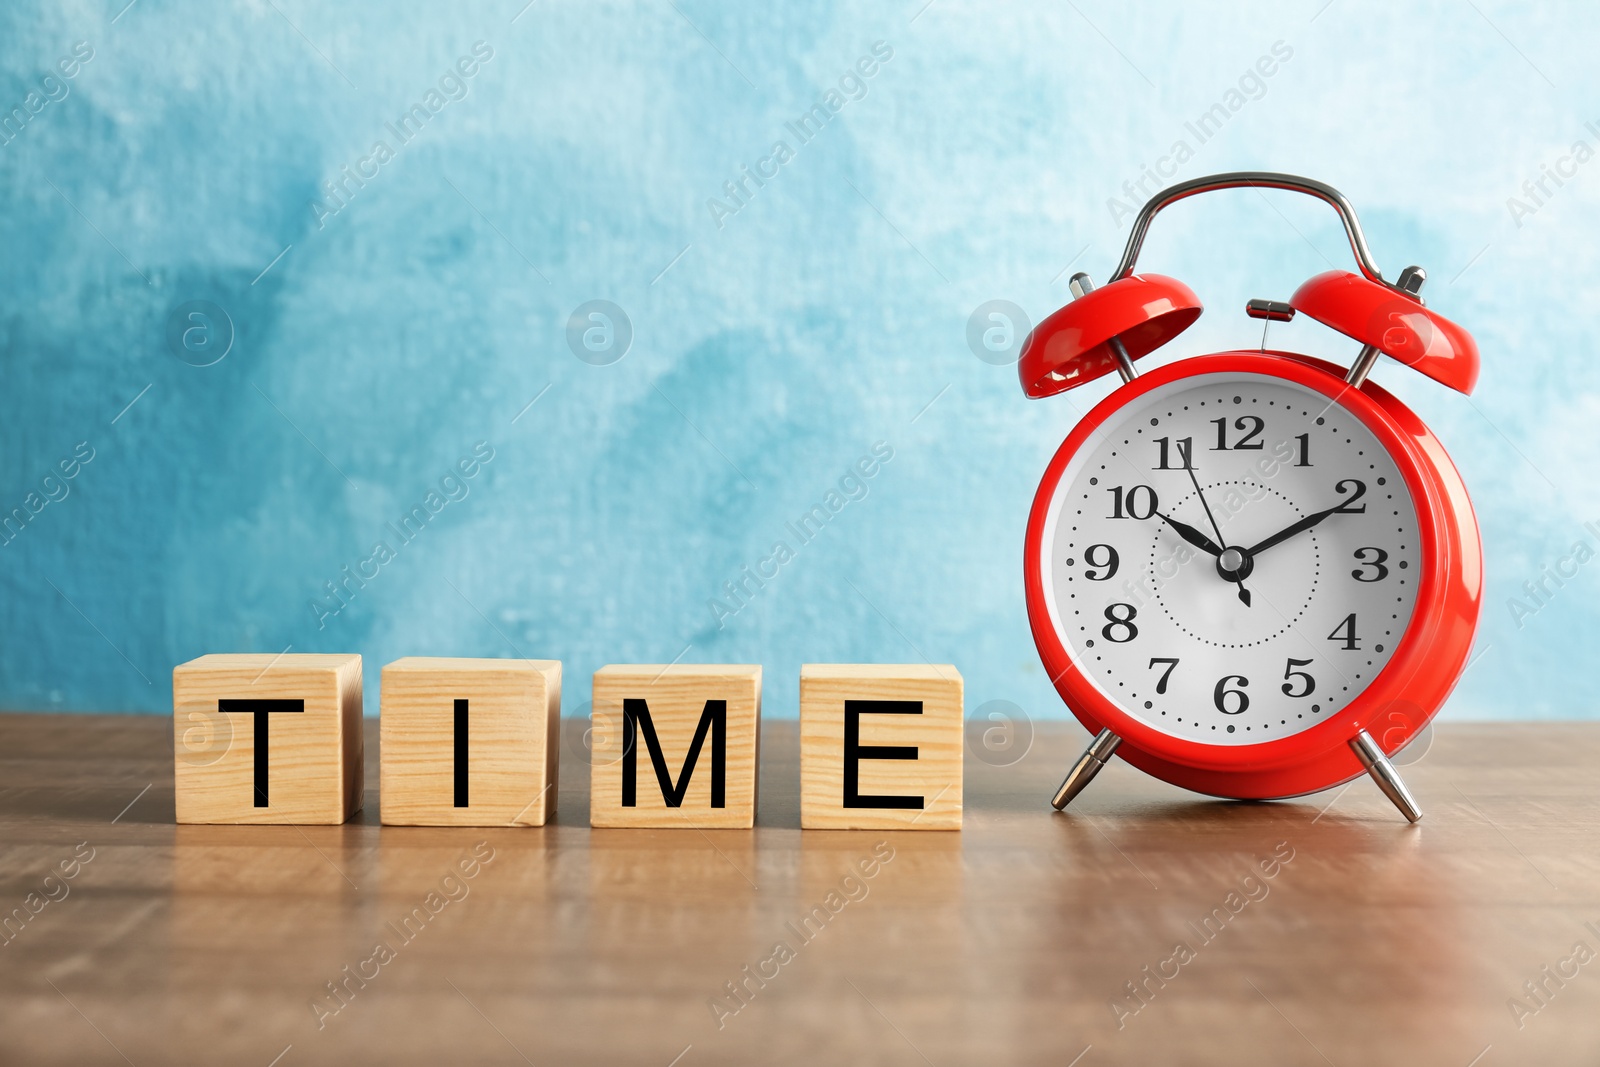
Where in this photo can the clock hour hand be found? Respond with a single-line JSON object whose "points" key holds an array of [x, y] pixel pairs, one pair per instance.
{"points": [[1344, 506], [1289, 531], [1191, 535]]}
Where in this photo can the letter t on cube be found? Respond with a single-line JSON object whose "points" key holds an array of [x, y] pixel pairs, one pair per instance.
{"points": [[260, 738], [880, 746]]}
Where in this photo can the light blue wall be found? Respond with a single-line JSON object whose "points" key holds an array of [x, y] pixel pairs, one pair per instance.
{"points": [[772, 346]]}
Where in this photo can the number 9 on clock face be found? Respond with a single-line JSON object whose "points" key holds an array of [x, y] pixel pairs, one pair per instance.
{"points": [[1230, 558]]}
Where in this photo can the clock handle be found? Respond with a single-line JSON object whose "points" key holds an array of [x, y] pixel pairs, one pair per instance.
{"points": [[1094, 757], [1252, 179], [1383, 772]]}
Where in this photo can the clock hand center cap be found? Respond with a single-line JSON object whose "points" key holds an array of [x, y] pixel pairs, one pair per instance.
{"points": [[1235, 564]]}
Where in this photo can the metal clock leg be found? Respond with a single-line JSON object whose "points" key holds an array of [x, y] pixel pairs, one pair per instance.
{"points": [[1094, 757], [1383, 772]]}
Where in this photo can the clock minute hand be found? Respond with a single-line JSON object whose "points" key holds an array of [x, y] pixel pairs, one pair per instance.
{"points": [[1194, 479], [1289, 531], [1191, 535]]}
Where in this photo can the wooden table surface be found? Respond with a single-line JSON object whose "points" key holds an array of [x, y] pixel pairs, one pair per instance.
{"points": [[1008, 942]]}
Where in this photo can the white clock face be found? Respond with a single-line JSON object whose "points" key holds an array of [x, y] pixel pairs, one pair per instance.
{"points": [[1248, 594]]}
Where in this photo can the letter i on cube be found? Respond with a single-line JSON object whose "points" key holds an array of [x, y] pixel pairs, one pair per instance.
{"points": [[469, 742]]}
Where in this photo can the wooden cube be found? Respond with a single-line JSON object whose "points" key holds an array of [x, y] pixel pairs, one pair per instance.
{"points": [[267, 739], [675, 746], [880, 746], [469, 742]]}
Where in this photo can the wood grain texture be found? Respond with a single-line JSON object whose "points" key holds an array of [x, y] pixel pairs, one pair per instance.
{"points": [[513, 741], [315, 756], [1008, 943], [676, 696], [933, 777]]}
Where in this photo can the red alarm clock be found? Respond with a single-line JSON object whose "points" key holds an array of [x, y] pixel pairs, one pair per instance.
{"points": [[1253, 574]]}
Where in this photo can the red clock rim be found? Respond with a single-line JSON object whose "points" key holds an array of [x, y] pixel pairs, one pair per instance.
{"points": [[1424, 666]]}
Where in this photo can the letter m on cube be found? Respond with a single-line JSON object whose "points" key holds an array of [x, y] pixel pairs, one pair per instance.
{"points": [[675, 745]]}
